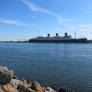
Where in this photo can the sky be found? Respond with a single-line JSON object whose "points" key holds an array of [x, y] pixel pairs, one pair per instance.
{"points": [[25, 19]]}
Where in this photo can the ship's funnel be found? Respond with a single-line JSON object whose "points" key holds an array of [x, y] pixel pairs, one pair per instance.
{"points": [[48, 35], [66, 34], [57, 35]]}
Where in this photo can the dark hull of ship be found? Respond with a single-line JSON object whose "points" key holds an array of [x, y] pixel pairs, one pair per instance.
{"points": [[60, 41]]}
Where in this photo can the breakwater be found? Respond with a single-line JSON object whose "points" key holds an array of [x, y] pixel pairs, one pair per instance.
{"points": [[11, 83]]}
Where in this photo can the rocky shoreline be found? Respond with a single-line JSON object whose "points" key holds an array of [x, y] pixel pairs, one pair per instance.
{"points": [[10, 83]]}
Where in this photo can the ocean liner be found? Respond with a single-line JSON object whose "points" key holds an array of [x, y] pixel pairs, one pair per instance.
{"points": [[58, 39]]}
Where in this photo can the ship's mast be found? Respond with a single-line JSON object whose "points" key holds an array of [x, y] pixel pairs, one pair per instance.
{"points": [[75, 34]]}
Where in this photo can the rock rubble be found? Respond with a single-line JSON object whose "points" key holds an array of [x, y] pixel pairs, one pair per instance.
{"points": [[10, 83]]}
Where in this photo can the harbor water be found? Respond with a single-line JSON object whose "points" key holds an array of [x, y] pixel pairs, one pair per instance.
{"points": [[59, 65]]}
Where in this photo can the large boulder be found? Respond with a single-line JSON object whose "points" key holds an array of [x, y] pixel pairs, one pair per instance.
{"points": [[11, 73], [21, 88], [36, 86], [9, 88], [16, 82], [1, 89], [24, 81], [5, 75], [43, 89]]}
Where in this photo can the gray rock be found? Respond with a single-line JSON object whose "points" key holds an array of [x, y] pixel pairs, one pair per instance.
{"points": [[49, 89], [11, 74], [1, 90], [36, 86], [27, 85], [5, 76], [9, 88], [21, 88], [16, 82]]}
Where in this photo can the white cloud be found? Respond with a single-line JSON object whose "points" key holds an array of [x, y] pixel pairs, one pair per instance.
{"points": [[33, 7], [80, 27], [19, 23], [7, 21]]}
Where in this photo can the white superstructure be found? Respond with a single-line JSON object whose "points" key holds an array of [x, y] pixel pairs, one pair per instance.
{"points": [[57, 37]]}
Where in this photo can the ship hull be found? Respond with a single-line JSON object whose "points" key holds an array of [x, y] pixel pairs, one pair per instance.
{"points": [[59, 41]]}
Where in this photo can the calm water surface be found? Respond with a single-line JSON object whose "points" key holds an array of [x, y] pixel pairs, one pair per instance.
{"points": [[60, 65]]}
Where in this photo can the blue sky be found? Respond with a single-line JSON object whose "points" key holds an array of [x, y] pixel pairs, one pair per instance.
{"points": [[24, 19]]}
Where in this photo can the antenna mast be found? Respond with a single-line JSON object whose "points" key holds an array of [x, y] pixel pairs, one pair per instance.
{"points": [[75, 34]]}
